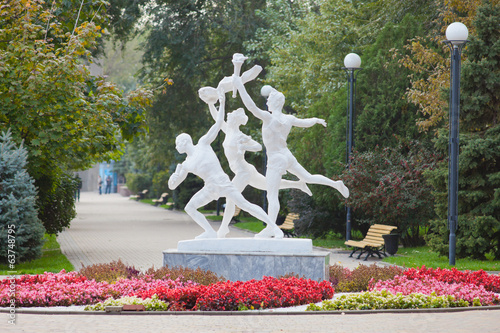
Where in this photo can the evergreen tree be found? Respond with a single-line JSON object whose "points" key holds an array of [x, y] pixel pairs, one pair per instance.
{"points": [[17, 206], [478, 230]]}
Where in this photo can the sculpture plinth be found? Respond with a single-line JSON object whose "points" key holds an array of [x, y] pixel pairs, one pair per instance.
{"points": [[243, 259]]}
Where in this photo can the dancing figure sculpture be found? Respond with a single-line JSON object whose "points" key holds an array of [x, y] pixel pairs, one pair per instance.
{"points": [[275, 129], [235, 144], [202, 161]]}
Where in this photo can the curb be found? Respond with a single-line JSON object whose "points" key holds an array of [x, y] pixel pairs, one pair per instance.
{"points": [[251, 312]]}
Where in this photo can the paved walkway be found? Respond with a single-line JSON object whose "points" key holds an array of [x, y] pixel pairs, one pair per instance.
{"points": [[111, 227]]}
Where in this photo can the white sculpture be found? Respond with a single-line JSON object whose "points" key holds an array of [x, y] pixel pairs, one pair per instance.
{"points": [[275, 129], [202, 161], [235, 144]]}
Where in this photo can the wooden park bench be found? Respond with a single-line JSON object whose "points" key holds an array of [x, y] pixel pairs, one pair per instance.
{"points": [[288, 225], [373, 243], [162, 200], [139, 196]]}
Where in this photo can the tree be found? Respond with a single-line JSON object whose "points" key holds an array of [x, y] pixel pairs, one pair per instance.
{"points": [[307, 67], [66, 118], [429, 62], [387, 186], [478, 230], [21, 232], [190, 43]]}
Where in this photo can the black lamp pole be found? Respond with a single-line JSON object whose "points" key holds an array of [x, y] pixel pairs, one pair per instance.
{"points": [[455, 46], [352, 63]]}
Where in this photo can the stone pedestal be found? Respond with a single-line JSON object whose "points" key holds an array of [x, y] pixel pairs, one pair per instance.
{"points": [[242, 259]]}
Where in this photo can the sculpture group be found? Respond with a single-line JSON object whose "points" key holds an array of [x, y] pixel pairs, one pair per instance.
{"points": [[202, 161]]}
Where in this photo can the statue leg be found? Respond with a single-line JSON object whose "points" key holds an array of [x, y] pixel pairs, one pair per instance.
{"points": [[273, 180], [259, 181], [305, 176], [240, 182], [226, 219], [200, 199]]}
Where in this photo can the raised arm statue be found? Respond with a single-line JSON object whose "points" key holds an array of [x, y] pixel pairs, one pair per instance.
{"points": [[202, 161], [235, 144], [275, 129]]}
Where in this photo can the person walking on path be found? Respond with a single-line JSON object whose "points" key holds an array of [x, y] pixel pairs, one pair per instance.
{"points": [[109, 180], [99, 184]]}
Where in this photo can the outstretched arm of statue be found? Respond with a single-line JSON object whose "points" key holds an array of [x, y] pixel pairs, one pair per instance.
{"points": [[247, 100], [215, 113], [177, 177], [308, 122], [210, 136]]}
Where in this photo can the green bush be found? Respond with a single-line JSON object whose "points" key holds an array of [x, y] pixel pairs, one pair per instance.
{"points": [[21, 232], [345, 280], [160, 183], [109, 272], [184, 274], [56, 201], [115, 270], [477, 236], [138, 182]]}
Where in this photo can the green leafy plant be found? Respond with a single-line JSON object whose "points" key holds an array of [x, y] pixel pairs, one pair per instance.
{"points": [[109, 272], [358, 279], [373, 300], [150, 304], [138, 182], [387, 186], [184, 274]]}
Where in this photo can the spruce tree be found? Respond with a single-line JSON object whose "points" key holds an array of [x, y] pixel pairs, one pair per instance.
{"points": [[17, 206]]}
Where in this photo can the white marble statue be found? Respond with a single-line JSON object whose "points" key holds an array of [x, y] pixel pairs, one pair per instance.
{"points": [[202, 161], [235, 144], [275, 129]]}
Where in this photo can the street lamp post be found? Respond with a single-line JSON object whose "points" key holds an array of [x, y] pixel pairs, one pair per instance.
{"points": [[352, 62], [265, 91], [456, 35]]}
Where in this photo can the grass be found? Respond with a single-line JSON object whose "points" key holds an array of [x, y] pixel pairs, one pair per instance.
{"points": [[407, 257], [420, 256], [52, 260]]}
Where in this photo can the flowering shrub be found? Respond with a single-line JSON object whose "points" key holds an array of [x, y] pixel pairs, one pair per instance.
{"points": [[479, 278], [374, 300], [51, 289], [64, 289], [254, 294], [266, 293], [427, 285]]}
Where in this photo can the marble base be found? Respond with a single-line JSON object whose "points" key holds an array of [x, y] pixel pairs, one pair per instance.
{"points": [[237, 245], [243, 266]]}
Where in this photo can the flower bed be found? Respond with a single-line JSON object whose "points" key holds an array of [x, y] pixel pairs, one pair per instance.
{"points": [[415, 288], [64, 289], [478, 278], [422, 288]]}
